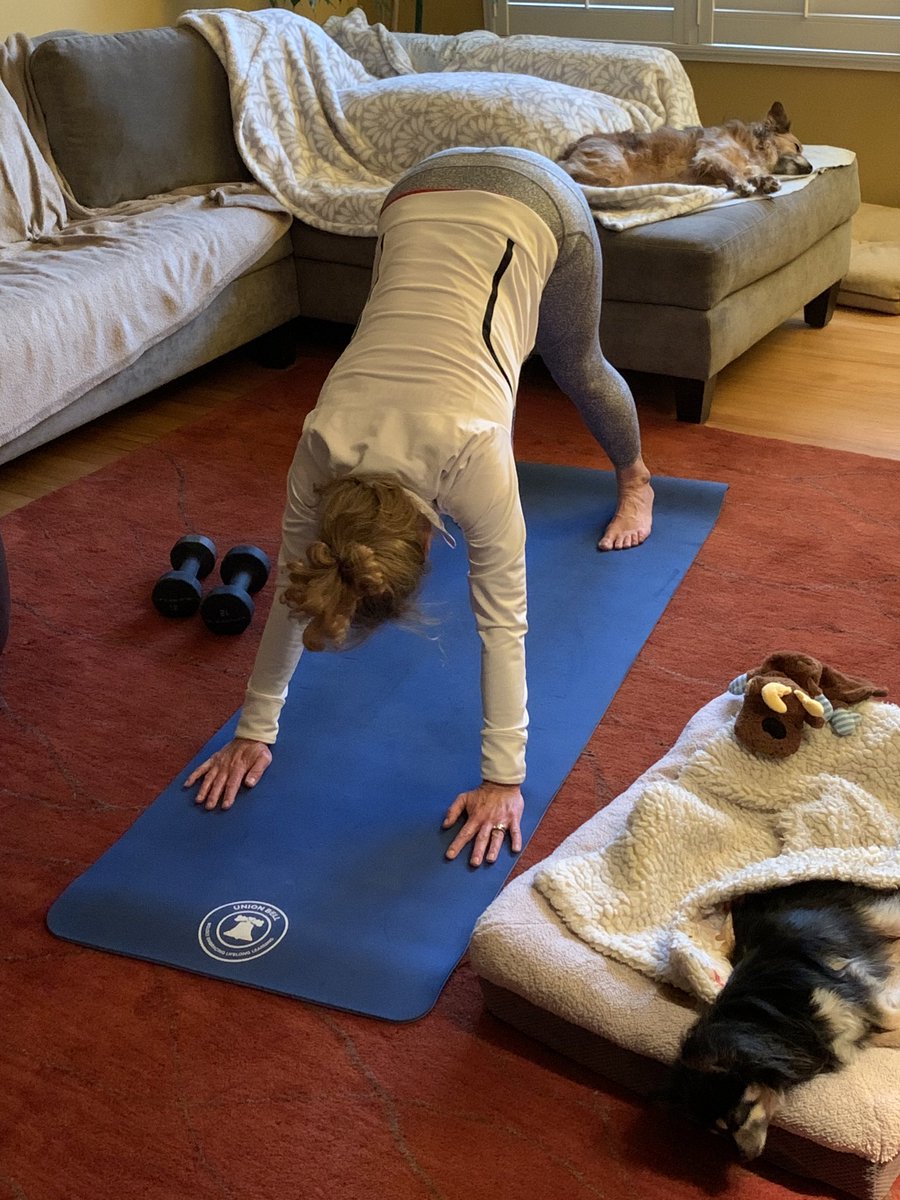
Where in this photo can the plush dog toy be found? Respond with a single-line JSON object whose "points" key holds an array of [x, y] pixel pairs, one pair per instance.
{"points": [[790, 691]]}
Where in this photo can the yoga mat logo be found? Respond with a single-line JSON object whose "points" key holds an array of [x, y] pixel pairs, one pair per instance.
{"points": [[242, 930]]}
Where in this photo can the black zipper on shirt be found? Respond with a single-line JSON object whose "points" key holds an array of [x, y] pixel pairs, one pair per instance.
{"points": [[379, 251], [491, 304]]}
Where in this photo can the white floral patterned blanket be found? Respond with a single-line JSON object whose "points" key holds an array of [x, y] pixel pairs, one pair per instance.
{"points": [[726, 822], [328, 120]]}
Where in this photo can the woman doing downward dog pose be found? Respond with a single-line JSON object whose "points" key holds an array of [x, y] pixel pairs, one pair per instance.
{"points": [[482, 255]]}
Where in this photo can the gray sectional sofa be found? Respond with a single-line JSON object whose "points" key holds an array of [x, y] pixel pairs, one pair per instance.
{"points": [[136, 114]]}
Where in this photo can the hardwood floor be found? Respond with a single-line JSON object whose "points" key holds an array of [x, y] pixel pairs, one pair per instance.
{"points": [[837, 387]]}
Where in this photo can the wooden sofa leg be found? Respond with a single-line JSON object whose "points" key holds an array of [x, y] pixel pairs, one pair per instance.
{"points": [[276, 349], [820, 310], [693, 399]]}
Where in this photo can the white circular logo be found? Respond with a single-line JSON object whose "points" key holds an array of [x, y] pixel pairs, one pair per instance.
{"points": [[242, 930]]}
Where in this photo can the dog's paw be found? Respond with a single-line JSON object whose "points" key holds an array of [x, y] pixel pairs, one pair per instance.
{"points": [[766, 184]]}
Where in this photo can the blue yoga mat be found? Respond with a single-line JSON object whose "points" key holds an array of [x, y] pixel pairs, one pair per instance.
{"points": [[327, 882]]}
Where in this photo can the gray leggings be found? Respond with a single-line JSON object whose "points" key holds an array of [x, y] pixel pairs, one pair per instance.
{"points": [[568, 328]]}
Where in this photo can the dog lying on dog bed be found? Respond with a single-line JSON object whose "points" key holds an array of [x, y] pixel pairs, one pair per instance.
{"points": [[830, 810], [816, 965]]}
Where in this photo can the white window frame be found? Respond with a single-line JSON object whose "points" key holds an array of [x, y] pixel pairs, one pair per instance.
{"points": [[834, 33]]}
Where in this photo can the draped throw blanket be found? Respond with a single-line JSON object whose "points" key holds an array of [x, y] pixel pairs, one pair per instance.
{"points": [[727, 822], [328, 119], [32, 204], [648, 77]]}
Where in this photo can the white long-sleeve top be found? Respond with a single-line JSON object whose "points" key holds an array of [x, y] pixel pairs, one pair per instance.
{"points": [[425, 391]]}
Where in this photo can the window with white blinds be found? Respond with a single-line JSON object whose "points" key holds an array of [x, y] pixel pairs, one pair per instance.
{"points": [[845, 33]]}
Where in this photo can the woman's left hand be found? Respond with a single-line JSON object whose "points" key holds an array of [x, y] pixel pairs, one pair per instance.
{"points": [[492, 810]]}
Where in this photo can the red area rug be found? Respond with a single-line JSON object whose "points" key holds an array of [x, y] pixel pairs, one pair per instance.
{"points": [[126, 1081]]}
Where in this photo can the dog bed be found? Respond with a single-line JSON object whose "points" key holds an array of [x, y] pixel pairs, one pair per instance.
{"points": [[538, 975], [873, 280]]}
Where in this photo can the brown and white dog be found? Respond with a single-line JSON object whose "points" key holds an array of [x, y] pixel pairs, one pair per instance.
{"points": [[742, 157]]}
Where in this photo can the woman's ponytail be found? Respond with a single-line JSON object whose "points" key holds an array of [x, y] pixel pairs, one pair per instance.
{"points": [[366, 566]]}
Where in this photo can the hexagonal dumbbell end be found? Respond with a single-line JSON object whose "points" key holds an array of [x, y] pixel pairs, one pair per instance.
{"points": [[229, 609], [178, 592]]}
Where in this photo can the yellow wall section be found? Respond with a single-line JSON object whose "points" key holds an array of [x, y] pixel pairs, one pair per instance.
{"points": [[110, 16]]}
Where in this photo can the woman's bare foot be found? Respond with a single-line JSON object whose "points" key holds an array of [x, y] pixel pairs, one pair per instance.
{"points": [[634, 511]]}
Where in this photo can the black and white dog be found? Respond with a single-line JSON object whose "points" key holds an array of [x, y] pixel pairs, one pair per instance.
{"points": [[816, 977]]}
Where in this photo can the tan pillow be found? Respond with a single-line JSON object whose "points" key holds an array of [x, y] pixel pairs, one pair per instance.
{"points": [[873, 280]]}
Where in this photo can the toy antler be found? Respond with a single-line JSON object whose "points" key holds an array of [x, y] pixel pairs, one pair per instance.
{"points": [[773, 694]]}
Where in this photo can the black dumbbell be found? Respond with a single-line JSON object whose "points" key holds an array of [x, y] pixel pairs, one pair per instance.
{"points": [[229, 609], [177, 593]]}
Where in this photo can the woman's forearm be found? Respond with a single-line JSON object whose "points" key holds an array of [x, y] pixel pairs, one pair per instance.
{"points": [[504, 730], [280, 649]]}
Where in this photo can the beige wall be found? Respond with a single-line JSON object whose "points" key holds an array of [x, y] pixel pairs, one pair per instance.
{"points": [[108, 16], [856, 109]]}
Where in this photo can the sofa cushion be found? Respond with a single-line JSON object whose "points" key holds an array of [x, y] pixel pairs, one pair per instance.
{"points": [[321, 246], [31, 202], [135, 114], [698, 259]]}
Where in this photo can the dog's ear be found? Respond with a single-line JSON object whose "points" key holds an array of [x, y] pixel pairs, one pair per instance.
{"points": [[844, 689], [777, 118], [746, 1052], [717, 1048]]}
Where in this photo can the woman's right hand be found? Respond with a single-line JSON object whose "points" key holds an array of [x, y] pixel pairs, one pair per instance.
{"points": [[241, 762]]}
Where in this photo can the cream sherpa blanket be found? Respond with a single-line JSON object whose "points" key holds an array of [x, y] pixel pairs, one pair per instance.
{"points": [[727, 822]]}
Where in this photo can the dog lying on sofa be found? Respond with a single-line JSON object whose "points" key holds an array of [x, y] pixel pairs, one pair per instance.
{"points": [[743, 157]]}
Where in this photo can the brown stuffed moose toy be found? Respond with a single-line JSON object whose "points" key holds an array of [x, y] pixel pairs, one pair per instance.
{"points": [[790, 691]]}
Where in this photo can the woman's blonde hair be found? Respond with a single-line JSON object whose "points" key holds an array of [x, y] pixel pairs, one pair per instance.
{"points": [[366, 566]]}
